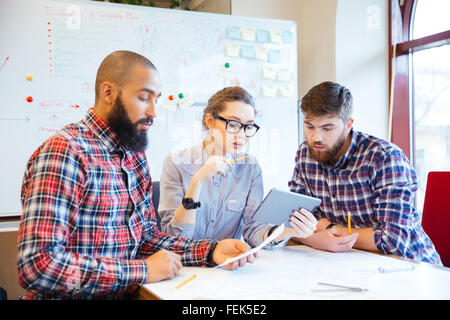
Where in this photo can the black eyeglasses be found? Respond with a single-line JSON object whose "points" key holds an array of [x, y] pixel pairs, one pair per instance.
{"points": [[234, 126]]}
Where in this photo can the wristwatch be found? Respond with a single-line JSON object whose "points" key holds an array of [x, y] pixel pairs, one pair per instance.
{"points": [[189, 204]]}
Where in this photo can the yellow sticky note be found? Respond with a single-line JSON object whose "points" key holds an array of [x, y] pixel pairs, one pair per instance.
{"points": [[283, 74], [185, 102], [248, 34], [286, 90], [167, 104], [261, 53], [275, 37], [269, 90], [232, 50], [269, 72]]}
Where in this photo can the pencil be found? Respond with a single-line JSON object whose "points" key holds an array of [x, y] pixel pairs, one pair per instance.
{"points": [[349, 223], [186, 281], [245, 157]]}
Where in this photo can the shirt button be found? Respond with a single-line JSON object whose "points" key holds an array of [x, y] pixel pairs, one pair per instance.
{"points": [[212, 221]]}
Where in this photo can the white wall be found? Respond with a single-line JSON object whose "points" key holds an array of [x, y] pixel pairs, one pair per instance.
{"points": [[338, 40], [362, 61], [315, 30]]}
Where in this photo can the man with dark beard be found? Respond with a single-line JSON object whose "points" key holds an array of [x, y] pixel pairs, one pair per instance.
{"points": [[359, 176], [88, 227]]}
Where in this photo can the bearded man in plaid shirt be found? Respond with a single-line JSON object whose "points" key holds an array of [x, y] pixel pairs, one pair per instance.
{"points": [[88, 227], [358, 174]]}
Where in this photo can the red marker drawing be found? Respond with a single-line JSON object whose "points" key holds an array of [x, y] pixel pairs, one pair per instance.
{"points": [[7, 58]]}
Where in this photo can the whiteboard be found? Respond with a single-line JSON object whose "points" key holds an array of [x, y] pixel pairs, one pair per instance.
{"points": [[59, 46]]}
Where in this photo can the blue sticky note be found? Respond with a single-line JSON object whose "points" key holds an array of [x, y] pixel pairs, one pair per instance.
{"points": [[248, 52], [262, 36], [274, 56], [234, 32], [287, 37]]}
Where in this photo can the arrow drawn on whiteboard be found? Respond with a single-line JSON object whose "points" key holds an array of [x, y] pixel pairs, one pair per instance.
{"points": [[4, 62], [54, 118], [12, 119]]}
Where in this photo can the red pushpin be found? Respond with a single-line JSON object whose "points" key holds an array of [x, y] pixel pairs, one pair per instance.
{"points": [[30, 99], [171, 97]]}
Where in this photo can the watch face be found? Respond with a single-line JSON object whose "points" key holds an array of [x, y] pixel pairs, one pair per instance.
{"points": [[189, 204]]}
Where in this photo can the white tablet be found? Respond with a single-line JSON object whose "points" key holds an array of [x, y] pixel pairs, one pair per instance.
{"points": [[278, 205]]}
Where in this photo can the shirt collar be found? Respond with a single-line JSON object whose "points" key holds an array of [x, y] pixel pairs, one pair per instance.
{"points": [[101, 129]]}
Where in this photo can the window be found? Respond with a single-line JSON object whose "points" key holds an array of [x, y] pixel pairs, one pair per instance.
{"points": [[421, 85]]}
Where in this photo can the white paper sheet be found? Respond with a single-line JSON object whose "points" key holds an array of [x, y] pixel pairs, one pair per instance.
{"points": [[278, 231]]}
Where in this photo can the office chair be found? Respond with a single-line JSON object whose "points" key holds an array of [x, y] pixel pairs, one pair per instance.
{"points": [[155, 200], [436, 213]]}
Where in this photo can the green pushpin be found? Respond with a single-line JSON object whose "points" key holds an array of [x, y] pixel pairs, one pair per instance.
{"points": [[181, 96], [227, 65]]}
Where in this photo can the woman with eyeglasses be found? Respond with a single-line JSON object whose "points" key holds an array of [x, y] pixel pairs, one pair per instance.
{"points": [[211, 191]]}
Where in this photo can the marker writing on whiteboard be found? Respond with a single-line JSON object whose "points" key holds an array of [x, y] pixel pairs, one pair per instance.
{"points": [[7, 58]]}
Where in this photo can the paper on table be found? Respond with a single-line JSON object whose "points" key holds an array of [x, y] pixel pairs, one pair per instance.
{"points": [[278, 231]]}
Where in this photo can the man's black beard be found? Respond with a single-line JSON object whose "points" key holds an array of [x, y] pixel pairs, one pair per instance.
{"points": [[129, 135]]}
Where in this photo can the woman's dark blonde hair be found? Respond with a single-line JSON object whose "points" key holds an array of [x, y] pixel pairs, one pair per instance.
{"points": [[216, 103]]}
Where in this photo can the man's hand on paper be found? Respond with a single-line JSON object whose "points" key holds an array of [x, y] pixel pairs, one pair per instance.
{"points": [[230, 248], [163, 265]]}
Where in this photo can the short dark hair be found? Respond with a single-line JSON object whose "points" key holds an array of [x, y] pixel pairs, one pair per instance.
{"points": [[216, 103], [328, 98], [118, 66]]}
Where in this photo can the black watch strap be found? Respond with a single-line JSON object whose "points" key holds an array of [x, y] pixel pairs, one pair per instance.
{"points": [[189, 203], [209, 260]]}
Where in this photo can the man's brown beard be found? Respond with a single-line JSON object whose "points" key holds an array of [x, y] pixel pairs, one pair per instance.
{"points": [[330, 155]]}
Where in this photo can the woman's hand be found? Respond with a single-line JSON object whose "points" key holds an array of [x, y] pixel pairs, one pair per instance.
{"points": [[214, 165]]}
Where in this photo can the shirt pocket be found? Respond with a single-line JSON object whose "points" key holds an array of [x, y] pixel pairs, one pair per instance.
{"points": [[235, 205]]}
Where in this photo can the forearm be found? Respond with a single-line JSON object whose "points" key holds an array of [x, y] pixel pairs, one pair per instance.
{"points": [[365, 239], [182, 215]]}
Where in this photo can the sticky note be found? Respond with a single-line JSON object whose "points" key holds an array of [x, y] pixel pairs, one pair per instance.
{"points": [[232, 50], [248, 34], [287, 37], [261, 53], [283, 74], [248, 52], [167, 104], [269, 90], [275, 37], [286, 90], [185, 102], [234, 32], [262, 36], [274, 56], [269, 72]]}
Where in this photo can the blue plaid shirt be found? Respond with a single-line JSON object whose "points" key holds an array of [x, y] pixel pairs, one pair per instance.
{"points": [[376, 184]]}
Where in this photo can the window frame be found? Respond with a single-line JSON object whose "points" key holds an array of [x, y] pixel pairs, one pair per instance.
{"points": [[400, 71]]}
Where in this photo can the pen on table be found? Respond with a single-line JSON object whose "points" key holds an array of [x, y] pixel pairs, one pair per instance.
{"points": [[396, 269], [349, 219], [242, 158], [343, 287], [186, 281]]}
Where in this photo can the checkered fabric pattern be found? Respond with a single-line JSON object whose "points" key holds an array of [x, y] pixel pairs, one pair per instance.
{"points": [[376, 184], [88, 221]]}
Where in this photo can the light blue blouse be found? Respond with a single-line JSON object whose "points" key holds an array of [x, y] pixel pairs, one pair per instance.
{"points": [[228, 201]]}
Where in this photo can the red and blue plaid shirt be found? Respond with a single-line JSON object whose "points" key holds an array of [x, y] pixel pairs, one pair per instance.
{"points": [[376, 184], [88, 221]]}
